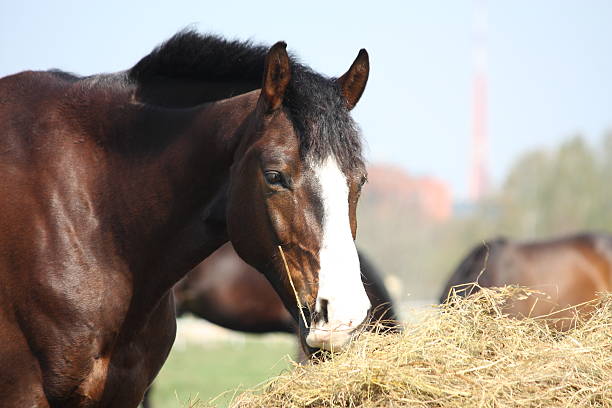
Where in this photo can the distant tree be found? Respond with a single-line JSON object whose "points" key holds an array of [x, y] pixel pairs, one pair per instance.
{"points": [[525, 194], [603, 210], [552, 193]]}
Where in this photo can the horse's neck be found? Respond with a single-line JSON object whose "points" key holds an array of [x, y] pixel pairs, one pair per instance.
{"points": [[171, 195], [184, 92]]}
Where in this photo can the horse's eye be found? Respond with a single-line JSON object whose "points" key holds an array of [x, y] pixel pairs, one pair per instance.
{"points": [[273, 177]]}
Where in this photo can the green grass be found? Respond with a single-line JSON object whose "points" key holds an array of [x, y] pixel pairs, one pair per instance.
{"points": [[205, 371]]}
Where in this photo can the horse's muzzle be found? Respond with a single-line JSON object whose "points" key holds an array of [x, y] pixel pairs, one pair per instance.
{"points": [[332, 336]]}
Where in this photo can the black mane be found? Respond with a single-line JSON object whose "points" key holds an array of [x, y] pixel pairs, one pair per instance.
{"points": [[189, 54], [315, 103]]}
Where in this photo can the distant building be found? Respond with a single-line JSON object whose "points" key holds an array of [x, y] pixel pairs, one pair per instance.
{"points": [[391, 186]]}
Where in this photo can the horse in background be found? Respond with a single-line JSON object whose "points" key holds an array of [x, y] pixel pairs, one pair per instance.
{"points": [[226, 291], [567, 270]]}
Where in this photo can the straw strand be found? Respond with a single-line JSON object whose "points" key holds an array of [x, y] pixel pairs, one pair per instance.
{"points": [[297, 298]]}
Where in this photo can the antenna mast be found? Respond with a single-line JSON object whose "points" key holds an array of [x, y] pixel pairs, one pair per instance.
{"points": [[479, 177]]}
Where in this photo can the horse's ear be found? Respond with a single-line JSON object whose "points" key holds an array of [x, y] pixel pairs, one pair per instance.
{"points": [[354, 81], [277, 73]]}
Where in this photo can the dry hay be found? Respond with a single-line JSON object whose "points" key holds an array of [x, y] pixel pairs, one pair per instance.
{"points": [[468, 355]]}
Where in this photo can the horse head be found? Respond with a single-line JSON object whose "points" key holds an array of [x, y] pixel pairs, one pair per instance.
{"points": [[293, 194]]}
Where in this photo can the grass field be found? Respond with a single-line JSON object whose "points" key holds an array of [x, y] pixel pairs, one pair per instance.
{"points": [[195, 371]]}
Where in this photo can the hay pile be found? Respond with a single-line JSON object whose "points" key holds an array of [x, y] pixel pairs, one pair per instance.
{"points": [[467, 355]]}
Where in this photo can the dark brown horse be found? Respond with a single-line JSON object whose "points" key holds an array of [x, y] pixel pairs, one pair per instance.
{"points": [[228, 292], [569, 271], [114, 186]]}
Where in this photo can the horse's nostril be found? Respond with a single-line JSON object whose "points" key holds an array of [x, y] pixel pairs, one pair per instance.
{"points": [[323, 309]]}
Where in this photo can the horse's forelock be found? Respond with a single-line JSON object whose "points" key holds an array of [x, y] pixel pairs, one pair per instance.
{"points": [[322, 120]]}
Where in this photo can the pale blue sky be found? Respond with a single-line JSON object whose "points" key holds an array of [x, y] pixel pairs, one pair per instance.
{"points": [[550, 63]]}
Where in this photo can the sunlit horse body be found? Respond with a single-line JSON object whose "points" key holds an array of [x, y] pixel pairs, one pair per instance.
{"points": [[569, 271], [114, 186], [228, 292]]}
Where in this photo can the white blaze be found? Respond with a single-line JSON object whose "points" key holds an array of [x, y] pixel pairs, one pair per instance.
{"points": [[340, 284]]}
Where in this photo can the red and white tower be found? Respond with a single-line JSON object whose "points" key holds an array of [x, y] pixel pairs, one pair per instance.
{"points": [[479, 176]]}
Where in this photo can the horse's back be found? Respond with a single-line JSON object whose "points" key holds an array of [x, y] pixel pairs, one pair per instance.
{"points": [[574, 268]]}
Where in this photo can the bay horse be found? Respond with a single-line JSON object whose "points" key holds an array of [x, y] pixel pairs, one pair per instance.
{"points": [[114, 186], [228, 292], [567, 270]]}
